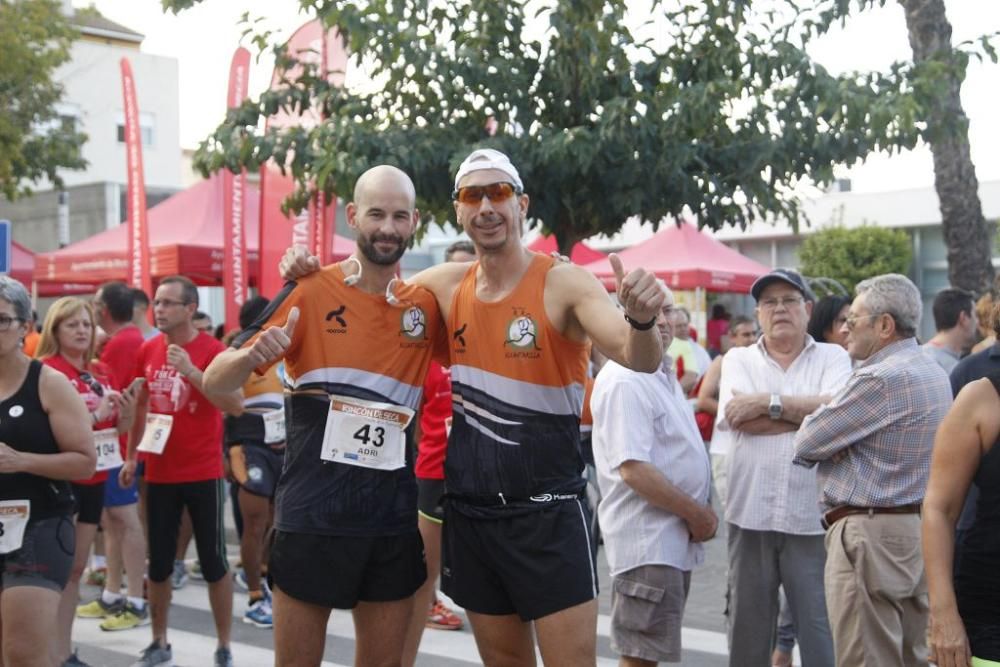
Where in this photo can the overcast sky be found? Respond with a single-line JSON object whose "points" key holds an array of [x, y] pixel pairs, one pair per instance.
{"points": [[202, 39]]}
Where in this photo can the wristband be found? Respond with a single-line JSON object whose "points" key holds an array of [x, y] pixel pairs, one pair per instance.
{"points": [[640, 326]]}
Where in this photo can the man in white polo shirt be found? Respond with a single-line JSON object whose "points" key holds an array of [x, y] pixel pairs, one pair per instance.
{"points": [[655, 479], [772, 506]]}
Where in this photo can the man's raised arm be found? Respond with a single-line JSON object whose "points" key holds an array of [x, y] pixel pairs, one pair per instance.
{"points": [[230, 369]]}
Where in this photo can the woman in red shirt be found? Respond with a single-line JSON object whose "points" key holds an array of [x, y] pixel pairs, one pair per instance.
{"points": [[67, 345]]}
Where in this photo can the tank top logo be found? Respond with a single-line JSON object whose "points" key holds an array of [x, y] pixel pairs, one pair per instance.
{"points": [[522, 335], [413, 323], [16, 411]]}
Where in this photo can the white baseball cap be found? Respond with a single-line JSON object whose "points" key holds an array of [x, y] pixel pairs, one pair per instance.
{"points": [[488, 158]]}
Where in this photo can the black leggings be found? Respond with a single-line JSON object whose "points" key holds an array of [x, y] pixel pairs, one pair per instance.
{"points": [[204, 502]]}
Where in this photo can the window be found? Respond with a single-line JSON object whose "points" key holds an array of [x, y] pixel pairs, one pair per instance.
{"points": [[146, 128]]}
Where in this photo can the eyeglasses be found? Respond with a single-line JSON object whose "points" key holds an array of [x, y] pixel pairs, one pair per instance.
{"points": [[851, 322], [6, 321], [785, 301], [91, 382], [168, 302], [497, 192]]}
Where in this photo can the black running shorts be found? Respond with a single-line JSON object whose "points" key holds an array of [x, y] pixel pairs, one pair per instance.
{"points": [[256, 468], [430, 499], [204, 502], [531, 563], [339, 572], [89, 502]]}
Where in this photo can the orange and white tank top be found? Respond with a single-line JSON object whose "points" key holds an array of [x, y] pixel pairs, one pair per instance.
{"points": [[518, 386]]}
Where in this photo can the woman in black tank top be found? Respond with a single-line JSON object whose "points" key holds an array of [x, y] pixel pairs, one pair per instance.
{"points": [[45, 440], [965, 614]]}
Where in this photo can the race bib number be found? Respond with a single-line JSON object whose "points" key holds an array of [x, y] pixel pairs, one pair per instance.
{"points": [[14, 516], [366, 433], [274, 426], [154, 438], [109, 454]]}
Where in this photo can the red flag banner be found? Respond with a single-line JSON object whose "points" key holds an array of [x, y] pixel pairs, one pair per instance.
{"points": [[234, 271], [314, 227], [138, 234]]}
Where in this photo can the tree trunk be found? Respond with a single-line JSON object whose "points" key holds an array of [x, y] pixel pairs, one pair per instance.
{"points": [[966, 234]]}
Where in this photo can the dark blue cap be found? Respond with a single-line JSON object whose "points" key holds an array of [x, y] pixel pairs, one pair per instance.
{"points": [[790, 276]]}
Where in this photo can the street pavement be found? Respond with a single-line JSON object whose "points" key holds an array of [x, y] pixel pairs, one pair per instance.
{"points": [[192, 636]]}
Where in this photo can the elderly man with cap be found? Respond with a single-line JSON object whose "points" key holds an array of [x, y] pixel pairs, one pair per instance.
{"points": [[873, 444], [772, 514], [516, 547]]}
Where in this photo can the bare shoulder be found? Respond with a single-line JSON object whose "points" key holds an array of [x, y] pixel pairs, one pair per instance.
{"points": [[443, 276], [54, 388], [573, 282]]}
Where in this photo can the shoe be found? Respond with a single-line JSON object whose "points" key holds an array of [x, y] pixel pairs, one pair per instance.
{"points": [[196, 572], [97, 577], [223, 657], [74, 661], [179, 577], [240, 579], [442, 618], [155, 655], [100, 609], [129, 617], [259, 614]]}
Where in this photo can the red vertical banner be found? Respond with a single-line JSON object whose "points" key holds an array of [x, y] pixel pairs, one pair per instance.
{"points": [[314, 227], [135, 201], [234, 268]]}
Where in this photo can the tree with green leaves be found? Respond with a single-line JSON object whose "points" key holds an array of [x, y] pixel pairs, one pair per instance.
{"points": [[852, 255], [35, 39], [713, 109], [966, 232]]}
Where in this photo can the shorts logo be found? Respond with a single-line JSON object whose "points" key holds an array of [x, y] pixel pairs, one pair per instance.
{"points": [[255, 473], [413, 323], [521, 333]]}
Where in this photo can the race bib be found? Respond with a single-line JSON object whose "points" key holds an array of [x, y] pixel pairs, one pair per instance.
{"points": [[274, 426], [109, 454], [14, 516], [154, 438], [366, 433]]}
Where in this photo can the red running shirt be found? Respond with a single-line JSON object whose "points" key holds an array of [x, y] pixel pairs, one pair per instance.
{"points": [[120, 352], [100, 373], [435, 410], [193, 452]]}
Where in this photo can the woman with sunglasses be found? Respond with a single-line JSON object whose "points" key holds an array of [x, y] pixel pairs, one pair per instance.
{"points": [[45, 440], [67, 345]]}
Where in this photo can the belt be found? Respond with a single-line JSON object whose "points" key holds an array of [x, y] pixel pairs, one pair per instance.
{"points": [[838, 513]]}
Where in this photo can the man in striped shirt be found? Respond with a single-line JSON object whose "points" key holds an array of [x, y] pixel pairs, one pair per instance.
{"points": [[873, 445]]}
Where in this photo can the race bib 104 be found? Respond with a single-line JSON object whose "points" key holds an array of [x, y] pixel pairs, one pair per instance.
{"points": [[109, 453]]}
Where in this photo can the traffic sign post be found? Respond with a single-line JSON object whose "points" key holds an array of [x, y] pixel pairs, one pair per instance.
{"points": [[5, 250]]}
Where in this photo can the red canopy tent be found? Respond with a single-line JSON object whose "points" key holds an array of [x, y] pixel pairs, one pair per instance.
{"points": [[185, 233], [581, 254], [22, 266], [686, 259]]}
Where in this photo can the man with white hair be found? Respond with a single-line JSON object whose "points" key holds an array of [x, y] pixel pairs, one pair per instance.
{"points": [[873, 445], [516, 548]]}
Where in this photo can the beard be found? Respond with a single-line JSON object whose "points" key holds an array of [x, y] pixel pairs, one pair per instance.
{"points": [[367, 247]]}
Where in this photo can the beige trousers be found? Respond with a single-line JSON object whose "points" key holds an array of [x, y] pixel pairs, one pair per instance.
{"points": [[876, 592]]}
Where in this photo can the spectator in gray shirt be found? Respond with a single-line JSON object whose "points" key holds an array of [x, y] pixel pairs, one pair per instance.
{"points": [[956, 324]]}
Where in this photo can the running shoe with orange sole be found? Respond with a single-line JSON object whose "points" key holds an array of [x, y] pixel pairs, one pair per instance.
{"points": [[442, 618]]}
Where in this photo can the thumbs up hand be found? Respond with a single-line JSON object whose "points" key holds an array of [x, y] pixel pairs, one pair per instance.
{"points": [[274, 341], [639, 292]]}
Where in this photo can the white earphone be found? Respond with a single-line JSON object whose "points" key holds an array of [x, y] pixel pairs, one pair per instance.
{"points": [[354, 278]]}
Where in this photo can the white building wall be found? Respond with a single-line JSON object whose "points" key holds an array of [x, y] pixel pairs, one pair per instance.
{"points": [[92, 79]]}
